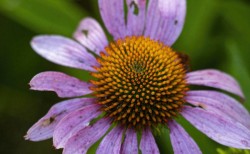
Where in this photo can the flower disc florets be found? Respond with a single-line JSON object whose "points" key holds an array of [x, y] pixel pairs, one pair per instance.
{"points": [[140, 82]]}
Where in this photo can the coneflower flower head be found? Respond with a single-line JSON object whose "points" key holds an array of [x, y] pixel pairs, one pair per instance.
{"points": [[139, 84]]}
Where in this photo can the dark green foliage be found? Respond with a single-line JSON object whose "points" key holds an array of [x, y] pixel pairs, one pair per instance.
{"points": [[216, 35]]}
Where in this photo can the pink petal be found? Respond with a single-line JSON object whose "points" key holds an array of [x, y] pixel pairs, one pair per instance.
{"points": [[136, 22], [85, 138], [91, 35], [111, 144], [64, 85], [221, 104], [181, 141], [112, 12], [130, 145], [221, 129], [44, 128], [64, 51], [73, 123], [165, 20], [216, 79], [148, 145]]}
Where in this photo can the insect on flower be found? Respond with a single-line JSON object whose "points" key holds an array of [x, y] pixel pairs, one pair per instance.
{"points": [[139, 84]]}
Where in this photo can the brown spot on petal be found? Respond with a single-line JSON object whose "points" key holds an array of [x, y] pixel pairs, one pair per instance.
{"points": [[48, 121], [136, 9], [176, 22], [85, 32], [201, 105]]}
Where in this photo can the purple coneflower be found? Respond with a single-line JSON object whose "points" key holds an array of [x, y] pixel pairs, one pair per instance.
{"points": [[139, 85]]}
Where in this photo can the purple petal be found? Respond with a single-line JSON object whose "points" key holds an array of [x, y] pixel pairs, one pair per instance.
{"points": [[216, 79], [148, 145], [136, 20], [64, 85], [64, 51], [90, 34], [85, 138], [181, 141], [165, 20], [111, 144], [73, 123], [221, 129], [44, 128], [112, 12], [219, 103], [130, 145]]}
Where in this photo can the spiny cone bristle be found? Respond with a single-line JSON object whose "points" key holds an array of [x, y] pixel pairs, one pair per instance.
{"points": [[140, 82]]}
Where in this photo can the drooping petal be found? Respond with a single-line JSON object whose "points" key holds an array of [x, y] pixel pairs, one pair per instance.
{"points": [[90, 34], [148, 144], [44, 128], [222, 130], [165, 20], [130, 145], [181, 141], [216, 79], [219, 103], [64, 51], [112, 12], [72, 123], [111, 143], [64, 85], [85, 138], [136, 17]]}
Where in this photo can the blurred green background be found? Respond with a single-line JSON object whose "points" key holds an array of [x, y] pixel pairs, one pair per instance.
{"points": [[216, 35]]}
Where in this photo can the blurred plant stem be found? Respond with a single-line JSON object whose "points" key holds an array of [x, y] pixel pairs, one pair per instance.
{"points": [[232, 151]]}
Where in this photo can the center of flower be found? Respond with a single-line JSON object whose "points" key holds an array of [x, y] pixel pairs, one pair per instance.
{"points": [[140, 82]]}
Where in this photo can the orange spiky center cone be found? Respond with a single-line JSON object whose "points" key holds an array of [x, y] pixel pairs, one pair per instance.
{"points": [[140, 82]]}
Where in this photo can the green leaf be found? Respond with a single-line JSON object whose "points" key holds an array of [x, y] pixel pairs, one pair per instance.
{"points": [[236, 13], [232, 151], [44, 16], [197, 28], [196, 39], [238, 69]]}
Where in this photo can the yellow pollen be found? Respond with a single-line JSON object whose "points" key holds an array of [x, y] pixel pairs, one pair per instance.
{"points": [[140, 82]]}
